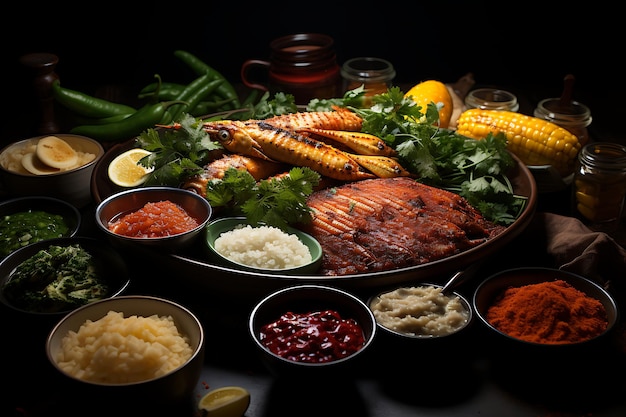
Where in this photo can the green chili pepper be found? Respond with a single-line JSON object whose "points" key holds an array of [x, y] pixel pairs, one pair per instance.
{"points": [[101, 120], [189, 91], [226, 90], [193, 98], [144, 118], [168, 91], [206, 107], [86, 105]]}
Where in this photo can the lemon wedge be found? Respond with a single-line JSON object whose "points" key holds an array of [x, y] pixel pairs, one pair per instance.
{"points": [[125, 171], [225, 402]]}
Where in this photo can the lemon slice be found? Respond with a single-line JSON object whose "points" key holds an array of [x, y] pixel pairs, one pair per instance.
{"points": [[125, 170], [56, 153], [225, 402]]}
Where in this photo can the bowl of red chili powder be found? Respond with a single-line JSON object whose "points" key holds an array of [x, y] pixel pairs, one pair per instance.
{"points": [[311, 331], [164, 218], [545, 306]]}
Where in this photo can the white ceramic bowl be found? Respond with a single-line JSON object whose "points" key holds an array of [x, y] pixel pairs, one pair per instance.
{"points": [[174, 387], [73, 185]]}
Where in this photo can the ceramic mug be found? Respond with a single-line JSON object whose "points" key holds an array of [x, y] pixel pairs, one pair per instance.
{"points": [[304, 65]]}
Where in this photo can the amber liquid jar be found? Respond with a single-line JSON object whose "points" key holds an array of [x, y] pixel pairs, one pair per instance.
{"points": [[574, 116], [599, 187], [491, 99], [304, 65], [374, 74]]}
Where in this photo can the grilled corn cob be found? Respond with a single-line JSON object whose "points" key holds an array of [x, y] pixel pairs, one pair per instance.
{"points": [[535, 141]]}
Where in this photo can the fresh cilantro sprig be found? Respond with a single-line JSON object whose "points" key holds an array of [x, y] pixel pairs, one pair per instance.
{"points": [[475, 169], [267, 106], [277, 201], [177, 154]]}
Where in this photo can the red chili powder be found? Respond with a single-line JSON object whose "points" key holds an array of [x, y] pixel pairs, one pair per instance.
{"points": [[159, 219], [549, 312]]}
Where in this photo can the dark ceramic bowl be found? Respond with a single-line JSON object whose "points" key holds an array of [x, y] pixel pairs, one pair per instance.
{"points": [[125, 202], [71, 218], [421, 312], [110, 266], [305, 299], [73, 185], [493, 287], [173, 387], [215, 229]]}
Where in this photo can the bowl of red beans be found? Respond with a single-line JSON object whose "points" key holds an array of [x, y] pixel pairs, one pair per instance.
{"points": [[311, 330], [163, 218]]}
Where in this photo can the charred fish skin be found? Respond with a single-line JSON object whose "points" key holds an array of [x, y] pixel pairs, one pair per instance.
{"points": [[338, 119], [389, 223], [363, 143], [264, 140]]}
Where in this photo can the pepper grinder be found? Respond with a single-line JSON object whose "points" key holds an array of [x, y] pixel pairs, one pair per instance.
{"points": [[42, 65]]}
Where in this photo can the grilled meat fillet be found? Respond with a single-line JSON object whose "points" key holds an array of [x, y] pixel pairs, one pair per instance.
{"points": [[388, 223]]}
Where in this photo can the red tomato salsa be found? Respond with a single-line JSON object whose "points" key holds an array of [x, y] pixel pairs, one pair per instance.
{"points": [[314, 337], [158, 219]]}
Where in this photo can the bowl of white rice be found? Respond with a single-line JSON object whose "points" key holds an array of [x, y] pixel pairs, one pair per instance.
{"points": [[235, 243], [139, 347]]}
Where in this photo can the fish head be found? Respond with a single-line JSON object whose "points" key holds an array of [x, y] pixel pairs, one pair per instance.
{"points": [[232, 135]]}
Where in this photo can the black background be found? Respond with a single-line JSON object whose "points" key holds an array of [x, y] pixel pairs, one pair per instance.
{"points": [[526, 47]]}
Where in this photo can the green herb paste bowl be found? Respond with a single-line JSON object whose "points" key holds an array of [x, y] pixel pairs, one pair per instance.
{"points": [[26, 220]]}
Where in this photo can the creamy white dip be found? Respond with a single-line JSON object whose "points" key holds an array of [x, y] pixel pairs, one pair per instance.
{"points": [[420, 311]]}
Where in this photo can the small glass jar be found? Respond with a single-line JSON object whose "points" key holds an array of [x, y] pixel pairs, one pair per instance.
{"points": [[574, 116], [491, 99], [375, 74], [599, 186]]}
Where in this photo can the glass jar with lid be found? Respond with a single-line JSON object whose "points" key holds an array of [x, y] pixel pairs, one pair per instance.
{"points": [[599, 187], [375, 74], [491, 99], [573, 116]]}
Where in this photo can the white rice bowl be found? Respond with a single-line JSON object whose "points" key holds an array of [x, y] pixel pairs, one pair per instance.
{"points": [[263, 247]]}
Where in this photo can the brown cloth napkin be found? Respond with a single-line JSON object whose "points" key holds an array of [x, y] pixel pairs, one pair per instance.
{"points": [[575, 248]]}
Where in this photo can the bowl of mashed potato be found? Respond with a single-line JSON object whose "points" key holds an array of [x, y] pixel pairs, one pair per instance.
{"points": [[128, 351], [57, 166]]}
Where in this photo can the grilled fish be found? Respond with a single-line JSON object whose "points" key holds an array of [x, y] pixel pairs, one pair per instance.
{"points": [[388, 223]]}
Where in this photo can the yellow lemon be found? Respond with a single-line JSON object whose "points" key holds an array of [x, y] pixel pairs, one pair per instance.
{"points": [[225, 402], [125, 171], [433, 91]]}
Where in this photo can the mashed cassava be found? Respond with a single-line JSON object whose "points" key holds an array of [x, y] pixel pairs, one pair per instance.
{"points": [[117, 350], [420, 311]]}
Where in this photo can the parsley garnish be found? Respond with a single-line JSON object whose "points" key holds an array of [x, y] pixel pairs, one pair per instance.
{"points": [[177, 154], [278, 201]]}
